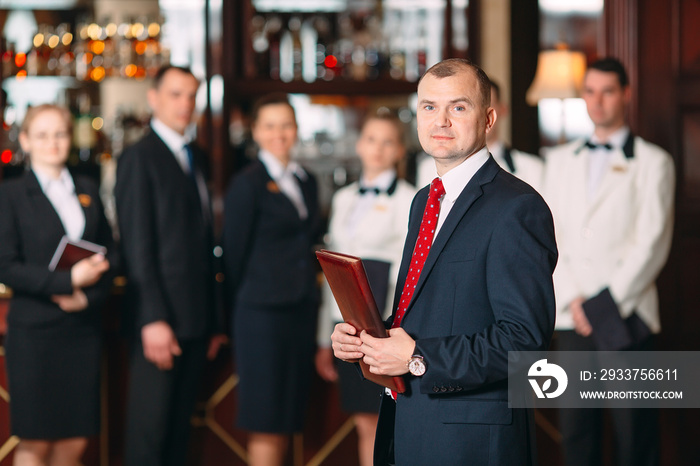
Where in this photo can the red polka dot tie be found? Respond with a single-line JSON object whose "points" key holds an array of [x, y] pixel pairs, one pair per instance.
{"points": [[421, 249]]}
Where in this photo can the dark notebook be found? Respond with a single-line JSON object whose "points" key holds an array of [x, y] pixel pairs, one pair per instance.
{"points": [[347, 279], [69, 252], [610, 331]]}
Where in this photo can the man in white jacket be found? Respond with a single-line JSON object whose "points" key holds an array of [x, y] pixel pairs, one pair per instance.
{"points": [[612, 201]]}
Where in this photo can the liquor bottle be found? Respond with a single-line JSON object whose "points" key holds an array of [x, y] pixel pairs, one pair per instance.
{"points": [[286, 57], [309, 42], [274, 31], [294, 25], [322, 25], [261, 46]]}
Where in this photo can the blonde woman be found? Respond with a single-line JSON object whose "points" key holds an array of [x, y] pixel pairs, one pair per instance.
{"points": [[53, 340]]}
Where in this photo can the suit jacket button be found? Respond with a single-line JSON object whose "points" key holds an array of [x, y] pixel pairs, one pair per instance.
{"points": [[443, 389], [436, 389], [450, 388]]}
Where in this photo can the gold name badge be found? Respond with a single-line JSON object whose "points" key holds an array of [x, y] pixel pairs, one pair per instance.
{"points": [[85, 200], [272, 187]]}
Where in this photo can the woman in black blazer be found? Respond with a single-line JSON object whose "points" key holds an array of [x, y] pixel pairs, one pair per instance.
{"points": [[53, 340], [271, 224]]}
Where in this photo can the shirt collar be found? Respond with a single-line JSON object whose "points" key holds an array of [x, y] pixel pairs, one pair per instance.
{"points": [[497, 149], [174, 140], [64, 179], [616, 139], [382, 181], [457, 178], [277, 170]]}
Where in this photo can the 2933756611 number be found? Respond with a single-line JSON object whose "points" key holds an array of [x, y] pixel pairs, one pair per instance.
{"points": [[638, 374]]}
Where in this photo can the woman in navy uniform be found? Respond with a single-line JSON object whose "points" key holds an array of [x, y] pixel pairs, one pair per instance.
{"points": [[271, 225], [53, 343]]}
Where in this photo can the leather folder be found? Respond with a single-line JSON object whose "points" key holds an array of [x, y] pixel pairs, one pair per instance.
{"points": [[348, 281], [69, 252]]}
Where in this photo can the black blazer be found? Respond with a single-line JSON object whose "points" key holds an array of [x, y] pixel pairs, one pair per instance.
{"points": [[267, 247], [30, 230], [485, 289], [166, 241]]}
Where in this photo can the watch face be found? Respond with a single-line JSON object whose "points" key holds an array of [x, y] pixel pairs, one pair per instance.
{"points": [[416, 367]]}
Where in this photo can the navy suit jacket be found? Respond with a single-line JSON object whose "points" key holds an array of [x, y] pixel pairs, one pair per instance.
{"points": [[167, 242], [267, 246], [486, 289]]}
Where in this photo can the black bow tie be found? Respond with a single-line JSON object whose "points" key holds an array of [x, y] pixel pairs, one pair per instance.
{"points": [[593, 146], [364, 190]]}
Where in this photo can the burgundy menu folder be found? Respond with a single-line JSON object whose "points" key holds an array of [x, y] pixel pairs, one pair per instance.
{"points": [[69, 252], [348, 281]]}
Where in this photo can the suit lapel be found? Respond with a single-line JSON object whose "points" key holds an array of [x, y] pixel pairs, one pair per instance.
{"points": [[471, 193], [616, 171], [42, 206], [87, 203], [272, 187], [576, 200]]}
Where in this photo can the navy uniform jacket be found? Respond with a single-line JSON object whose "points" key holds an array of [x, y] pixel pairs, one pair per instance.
{"points": [[267, 247], [486, 289], [30, 230]]}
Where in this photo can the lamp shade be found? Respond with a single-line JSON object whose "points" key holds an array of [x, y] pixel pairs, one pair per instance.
{"points": [[559, 76]]}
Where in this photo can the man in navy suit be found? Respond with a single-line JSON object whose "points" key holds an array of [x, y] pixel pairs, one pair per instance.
{"points": [[165, 221], [475, 284]]}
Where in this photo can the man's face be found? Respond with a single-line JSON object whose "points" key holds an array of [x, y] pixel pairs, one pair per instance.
{"points": [[605, 99], [173, 101], [452, 119]]}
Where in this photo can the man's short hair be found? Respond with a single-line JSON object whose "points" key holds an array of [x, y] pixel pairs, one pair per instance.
{"points": [[452, 66], [158, 78], [611, 65], [276, 98]]}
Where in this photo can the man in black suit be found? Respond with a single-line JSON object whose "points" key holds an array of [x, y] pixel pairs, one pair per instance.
{"points": [[165, 223], [475, 282]]}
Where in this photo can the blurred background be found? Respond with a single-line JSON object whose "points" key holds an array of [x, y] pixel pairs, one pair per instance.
{"points": [[342, 60]]}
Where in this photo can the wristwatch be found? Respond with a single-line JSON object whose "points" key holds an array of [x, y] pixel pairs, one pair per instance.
{"points": [[416, 365]]}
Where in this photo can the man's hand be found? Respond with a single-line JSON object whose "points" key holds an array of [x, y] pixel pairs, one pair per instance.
{"points": [[581, 324], [388, 356], [346, 346], [325, 366], [71, 302], [160, 344], [88, 271], [215, 343]]}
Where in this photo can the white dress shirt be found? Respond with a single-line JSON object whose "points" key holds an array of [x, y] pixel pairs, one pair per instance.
{"points": [[61, 194], [286, 180], [454, 182]]}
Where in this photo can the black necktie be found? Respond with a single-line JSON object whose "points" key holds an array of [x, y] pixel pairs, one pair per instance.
{"points": [[594, 146], [190, 161]]}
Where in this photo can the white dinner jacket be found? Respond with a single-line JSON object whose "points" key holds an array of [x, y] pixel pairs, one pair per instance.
{"points": [[620, 238], [380, 235]]}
